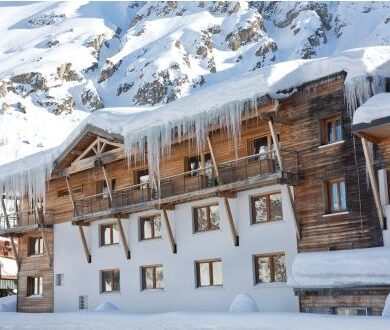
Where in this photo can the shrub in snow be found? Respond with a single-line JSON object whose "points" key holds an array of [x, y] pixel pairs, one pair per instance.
{"points": [[243, 303], [8, 304], [107, 307], [386, 309]]}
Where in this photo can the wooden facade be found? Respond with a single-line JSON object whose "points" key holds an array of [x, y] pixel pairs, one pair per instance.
{"points": [[73, 193]]}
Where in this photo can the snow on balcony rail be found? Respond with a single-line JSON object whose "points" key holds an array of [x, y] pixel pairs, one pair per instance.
{"points": [[331, 269], [220, 105], [376, 107]]}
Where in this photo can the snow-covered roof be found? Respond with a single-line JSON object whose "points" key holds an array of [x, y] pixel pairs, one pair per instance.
{"points": [[220, 104], [331, 269], [8, 267], [376, 107]]}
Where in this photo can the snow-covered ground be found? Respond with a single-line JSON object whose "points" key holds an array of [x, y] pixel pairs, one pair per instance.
{"points": [[191, 320]]}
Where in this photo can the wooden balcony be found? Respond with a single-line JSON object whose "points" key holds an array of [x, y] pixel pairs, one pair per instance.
{"points": [[235, 175], [24, 221]]}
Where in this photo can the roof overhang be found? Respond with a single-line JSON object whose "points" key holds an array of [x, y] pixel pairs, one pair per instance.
{"points": [[376, 130]]}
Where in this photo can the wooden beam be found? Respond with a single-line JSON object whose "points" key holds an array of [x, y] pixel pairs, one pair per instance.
{"points": [[85, 245], [108, 184], [293, 211], [374, 185], [13, 245], [71, 196], [44, 238], [213, 157], [169, 231], [233, 231], [123, 238], [276, 143], [367, 137]]}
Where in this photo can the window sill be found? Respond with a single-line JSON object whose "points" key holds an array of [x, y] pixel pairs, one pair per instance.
{"points": [[109, 245], [327, 215], [110, 292], [35, 296], [154, 239], [208, 231], [331, 144], [210, 287], [35, 255], [147, 291], [267, 222], [271, 285]]}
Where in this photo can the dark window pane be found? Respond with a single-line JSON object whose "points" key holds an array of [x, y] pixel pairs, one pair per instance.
{"points": [[276, 207], [159, 277], [264, 271], [201, 218], [148, 280], [217, 273], [279, 268], [157, 226], [260, 209], [204, 274], [343, 199], [147, 229], [339, 130], [214, 217], [330, 131]]}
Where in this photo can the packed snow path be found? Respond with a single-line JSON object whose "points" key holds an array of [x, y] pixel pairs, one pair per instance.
{"points": [[194, 320]]}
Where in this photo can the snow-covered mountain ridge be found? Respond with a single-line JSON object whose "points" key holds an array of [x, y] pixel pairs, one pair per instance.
{"points": [[60, 61]]}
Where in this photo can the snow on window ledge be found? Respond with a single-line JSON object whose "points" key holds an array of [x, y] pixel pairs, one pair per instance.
{"points": [[331, 144], [35, 296], [335, 214], [271, 285]]}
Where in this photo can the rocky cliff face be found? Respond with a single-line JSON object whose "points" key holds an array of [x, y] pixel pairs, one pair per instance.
{"points": [[67, 57]]}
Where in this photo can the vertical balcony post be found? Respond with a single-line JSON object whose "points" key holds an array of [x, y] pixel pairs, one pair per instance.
{"points": [[374, 186]]}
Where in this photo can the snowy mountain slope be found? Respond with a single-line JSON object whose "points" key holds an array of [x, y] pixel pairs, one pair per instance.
{"points": [[59, 61]]}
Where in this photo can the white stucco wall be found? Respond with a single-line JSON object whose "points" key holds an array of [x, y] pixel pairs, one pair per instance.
{"points": [[180, 292]]}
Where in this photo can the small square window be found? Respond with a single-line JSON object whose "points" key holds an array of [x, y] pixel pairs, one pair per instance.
{"points": [[194, 163], [109, 234], [152, 277], [83, 302], [332, 130], [101, 186], [142, 178], [267, 207], [336, 195], [150, 227], [270, 268], [354, 311], [59, 279], [209, 273], [206, 218], [35, 246], [34, 286], [110, 280]]}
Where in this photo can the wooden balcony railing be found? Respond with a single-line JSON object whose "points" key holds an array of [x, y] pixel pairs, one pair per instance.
{"points": [[25, 219], [236, 170]]}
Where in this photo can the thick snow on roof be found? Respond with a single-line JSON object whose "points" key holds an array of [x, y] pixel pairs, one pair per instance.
{"points": [[220, 104], [376, 107], [8, 267], [369, 266]]}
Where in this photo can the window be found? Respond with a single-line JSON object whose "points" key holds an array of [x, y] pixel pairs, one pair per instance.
{"points": [[35, 246], [150, 227], [261, 145], [206, 218], [101, 186], [59, 279], [193, 163], [110, 280], [142, 178], [332, 130], [270, 268], [337, 200], [152, 277], [83, 302], [351, 311], [209, 273], [34, 286], [109, 234], [267, 207], [65, 192]]}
